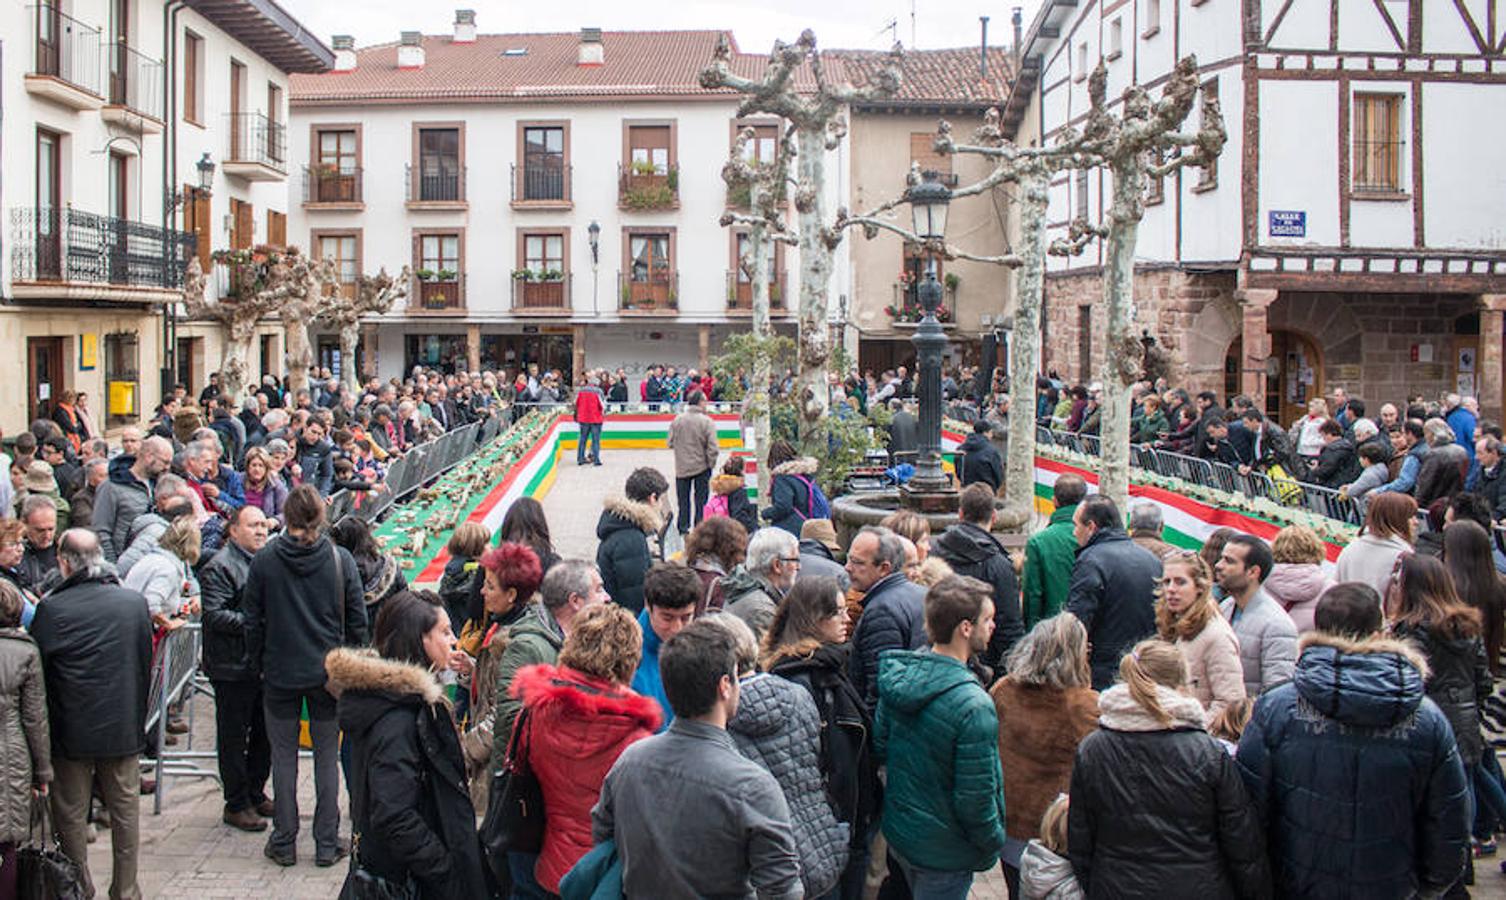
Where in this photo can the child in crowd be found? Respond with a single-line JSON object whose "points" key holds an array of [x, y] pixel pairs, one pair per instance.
{"points": [[1375, 474], [1230, 723], [1045, 873]]}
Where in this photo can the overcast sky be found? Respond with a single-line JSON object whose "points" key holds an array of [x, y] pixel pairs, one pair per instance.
{"points": [[853, 24]]}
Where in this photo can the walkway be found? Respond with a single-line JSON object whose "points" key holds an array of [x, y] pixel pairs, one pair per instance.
{"points": [[573, 505]]}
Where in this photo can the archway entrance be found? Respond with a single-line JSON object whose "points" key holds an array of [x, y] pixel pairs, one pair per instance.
{"points": [[1298, 375]]}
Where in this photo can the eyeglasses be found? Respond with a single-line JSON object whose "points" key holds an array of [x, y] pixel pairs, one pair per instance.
{"points": [[790, 559]]}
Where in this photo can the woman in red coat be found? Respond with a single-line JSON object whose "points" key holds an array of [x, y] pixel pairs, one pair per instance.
{"points": [[580, 717]]}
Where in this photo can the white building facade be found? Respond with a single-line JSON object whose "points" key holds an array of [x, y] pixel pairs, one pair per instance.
{"points": [[1349, 236], [489, 164]]}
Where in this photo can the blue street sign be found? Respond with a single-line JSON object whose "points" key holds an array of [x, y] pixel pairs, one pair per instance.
{"points": [[1288, 223]]}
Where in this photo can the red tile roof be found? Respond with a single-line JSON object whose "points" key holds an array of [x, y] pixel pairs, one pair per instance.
{"points": [[637, 64]]}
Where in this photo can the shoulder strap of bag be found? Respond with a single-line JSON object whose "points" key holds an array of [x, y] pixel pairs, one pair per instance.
{"points": [[810, 498], [340, 591], [518, 743]]}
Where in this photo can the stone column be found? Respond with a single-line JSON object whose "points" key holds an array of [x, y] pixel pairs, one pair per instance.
{"points": [[704, 359], [473, 347], [578, 353], [370, 347], [1255, 342], [1489, 364]]}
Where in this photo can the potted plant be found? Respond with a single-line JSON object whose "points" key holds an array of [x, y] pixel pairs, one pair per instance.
{"points": [[522, 274], [425, 274], [551, 275], [951, 281], [446, 274], [644, 167], [627, 295]]}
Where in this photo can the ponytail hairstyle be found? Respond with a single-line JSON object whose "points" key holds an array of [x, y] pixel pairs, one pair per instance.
{"points": [[1152, 664]]}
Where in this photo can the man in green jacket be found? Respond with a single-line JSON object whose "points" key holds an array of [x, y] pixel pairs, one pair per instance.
{"points": [[938, 730], [1050, 554]]}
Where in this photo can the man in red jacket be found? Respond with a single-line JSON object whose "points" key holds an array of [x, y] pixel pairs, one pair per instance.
{"points": [[589, 403]]}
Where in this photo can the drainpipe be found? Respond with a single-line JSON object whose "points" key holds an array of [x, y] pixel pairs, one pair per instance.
{"points": [[983, 50], [169, 179]]}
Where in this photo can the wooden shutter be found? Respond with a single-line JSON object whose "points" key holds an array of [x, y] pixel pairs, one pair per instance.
{"points": [[196, 220], [277, 228], [243, 224]]}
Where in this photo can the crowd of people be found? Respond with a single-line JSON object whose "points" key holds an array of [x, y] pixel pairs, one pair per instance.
{"points": [[1102, 714]]}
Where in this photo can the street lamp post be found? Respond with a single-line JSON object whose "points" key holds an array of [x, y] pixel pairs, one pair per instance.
{"points": [[593, 232], [930, 489]]}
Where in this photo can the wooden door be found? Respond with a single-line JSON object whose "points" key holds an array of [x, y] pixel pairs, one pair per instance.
{"points": [[239, 133], [242, 224], [44, 375], [196, 212]]}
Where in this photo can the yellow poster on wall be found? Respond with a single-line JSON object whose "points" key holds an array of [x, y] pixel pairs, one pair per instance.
{"points": [[122, 398], [88, 351]]}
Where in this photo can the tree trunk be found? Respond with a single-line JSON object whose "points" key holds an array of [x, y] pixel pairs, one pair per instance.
{"points": [[350, 336], [1122, 351], [1024, 349], [758, 396], [234, 371], [812, 393], [300, 354]]}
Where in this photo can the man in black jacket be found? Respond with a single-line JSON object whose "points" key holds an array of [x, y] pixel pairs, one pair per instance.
{"points": [[1113, 588], [623, 557], [239, 721], [980, 461], [893, 607], [1337, 463], [302, 599], [970, 549], [96, 643]]}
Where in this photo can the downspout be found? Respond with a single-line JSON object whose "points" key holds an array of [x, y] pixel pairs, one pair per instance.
{"points": [[169, 180]]}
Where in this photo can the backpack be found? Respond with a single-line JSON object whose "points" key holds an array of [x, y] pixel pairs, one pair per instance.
{"points": [[716, 506], [816, 504]]}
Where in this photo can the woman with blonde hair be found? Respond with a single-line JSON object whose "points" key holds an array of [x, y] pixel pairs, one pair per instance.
{"points": [[913, 527], [1297, 579], [1187, 617], [1158, 806], [264, 488], [578, 716], [1046, 705]]}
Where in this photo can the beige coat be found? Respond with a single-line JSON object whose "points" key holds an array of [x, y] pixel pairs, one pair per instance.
{"points": [[25, 753], [692, 435], [1215, 675]]}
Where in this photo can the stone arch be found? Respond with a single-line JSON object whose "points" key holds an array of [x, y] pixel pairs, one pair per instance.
{"points": [[1324, 318], [1206, 343]]}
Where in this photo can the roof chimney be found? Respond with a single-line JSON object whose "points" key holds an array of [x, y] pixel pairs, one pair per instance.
{"points": [[410, 54], [983, 51], [345, 52], [465, 26], [592, 53], [1018, 20]]}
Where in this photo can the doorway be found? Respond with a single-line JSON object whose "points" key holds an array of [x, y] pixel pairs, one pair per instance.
{"points": [[44, 375], [1298, 378]]}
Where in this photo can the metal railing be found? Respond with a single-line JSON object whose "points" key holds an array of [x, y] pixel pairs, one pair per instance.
{"points": [[327, 184], [175, 678], [69, 245], [446, 184], [135, 80], [64, 48], [436, 295], [541, 184], [414, 469], [660, 291], [543, 294], [648, 190], [740, 291], [1286, 491], [254, 138]]}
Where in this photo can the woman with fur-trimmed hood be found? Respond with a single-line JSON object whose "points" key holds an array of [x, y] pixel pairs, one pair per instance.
{"points": [[578, 718], [790, 501], [623, 556], [411, 815]]}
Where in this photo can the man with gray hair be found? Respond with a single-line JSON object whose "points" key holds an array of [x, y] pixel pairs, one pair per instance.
{"points": [[96, 643], [893, 607], [173, 499], [128, 493], [752, 590], [81, 504], [1145, 526]]}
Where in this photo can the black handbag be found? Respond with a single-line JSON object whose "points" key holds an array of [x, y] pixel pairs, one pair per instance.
{"points": [[43, 871], [514, 820], [363, 884]]}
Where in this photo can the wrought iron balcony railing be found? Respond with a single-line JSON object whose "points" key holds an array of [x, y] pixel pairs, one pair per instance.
{"points": [[69, 245]]}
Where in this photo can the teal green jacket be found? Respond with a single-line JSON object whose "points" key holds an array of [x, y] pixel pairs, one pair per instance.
{"points": [[939, 732], [1050, 555]]}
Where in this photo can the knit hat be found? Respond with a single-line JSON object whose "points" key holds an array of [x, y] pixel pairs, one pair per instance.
{"points": [[39, 478], [822, 532]]}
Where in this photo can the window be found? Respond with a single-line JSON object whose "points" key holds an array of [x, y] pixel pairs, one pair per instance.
{"points": [[49, 186], [649, 149], [120, 191], [241, 135], [440, 254], [438, 260], [650, 275], [338, 149], [544, 253], [1116, 39], [344, 248], [1082, 62], [49, 205], [277, 228], [1155, 185], [1081, 189], [544, 163], [274, 103], [337, 164], [1377, 143], [122, 380], [196, 219], [1209, 178], [741, 292], [764, 148], [242, 225], [923, 151], [193, 78], [438, 165], [540, 280], [650, 257], [1152, 18], [1085, 344]]}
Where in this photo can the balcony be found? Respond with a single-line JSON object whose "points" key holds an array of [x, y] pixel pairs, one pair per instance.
{"points": [[541, 293], [135, 91], [438, 293], [654, 294], [642, 187], [541, 187], [906, 311], [258, 148], [326, 186], [740, 294], [67, 254], [64, 59], [441, 187]]}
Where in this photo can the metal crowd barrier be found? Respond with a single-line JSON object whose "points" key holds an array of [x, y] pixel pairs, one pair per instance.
{"points": [[1286, 491], [175, 670], [420, 465]]}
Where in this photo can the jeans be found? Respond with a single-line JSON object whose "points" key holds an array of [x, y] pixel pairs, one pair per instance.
{"points": [[689, 515], [120, 783], [524, 885], [1490, 795], [245, 755], [590, 434], [931, 884], [283, 708]]}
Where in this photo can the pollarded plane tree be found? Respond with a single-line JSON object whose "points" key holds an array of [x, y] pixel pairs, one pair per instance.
{"points": [[261, 281], [1132, 146], [311, 282], [818, 124], [373, 295]]}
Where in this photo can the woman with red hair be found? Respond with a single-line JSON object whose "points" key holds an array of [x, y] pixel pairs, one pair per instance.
{"points": [[511, 575]]}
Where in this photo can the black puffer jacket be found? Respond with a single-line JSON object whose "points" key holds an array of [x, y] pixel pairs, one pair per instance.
{"points": [[298, 608], [623, 557], [1159, 811], [893, 619], [1458, 681], [973, 552], [981, 462], [222, 583], [1113, 592], [1338, 464], [420, 821]]}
